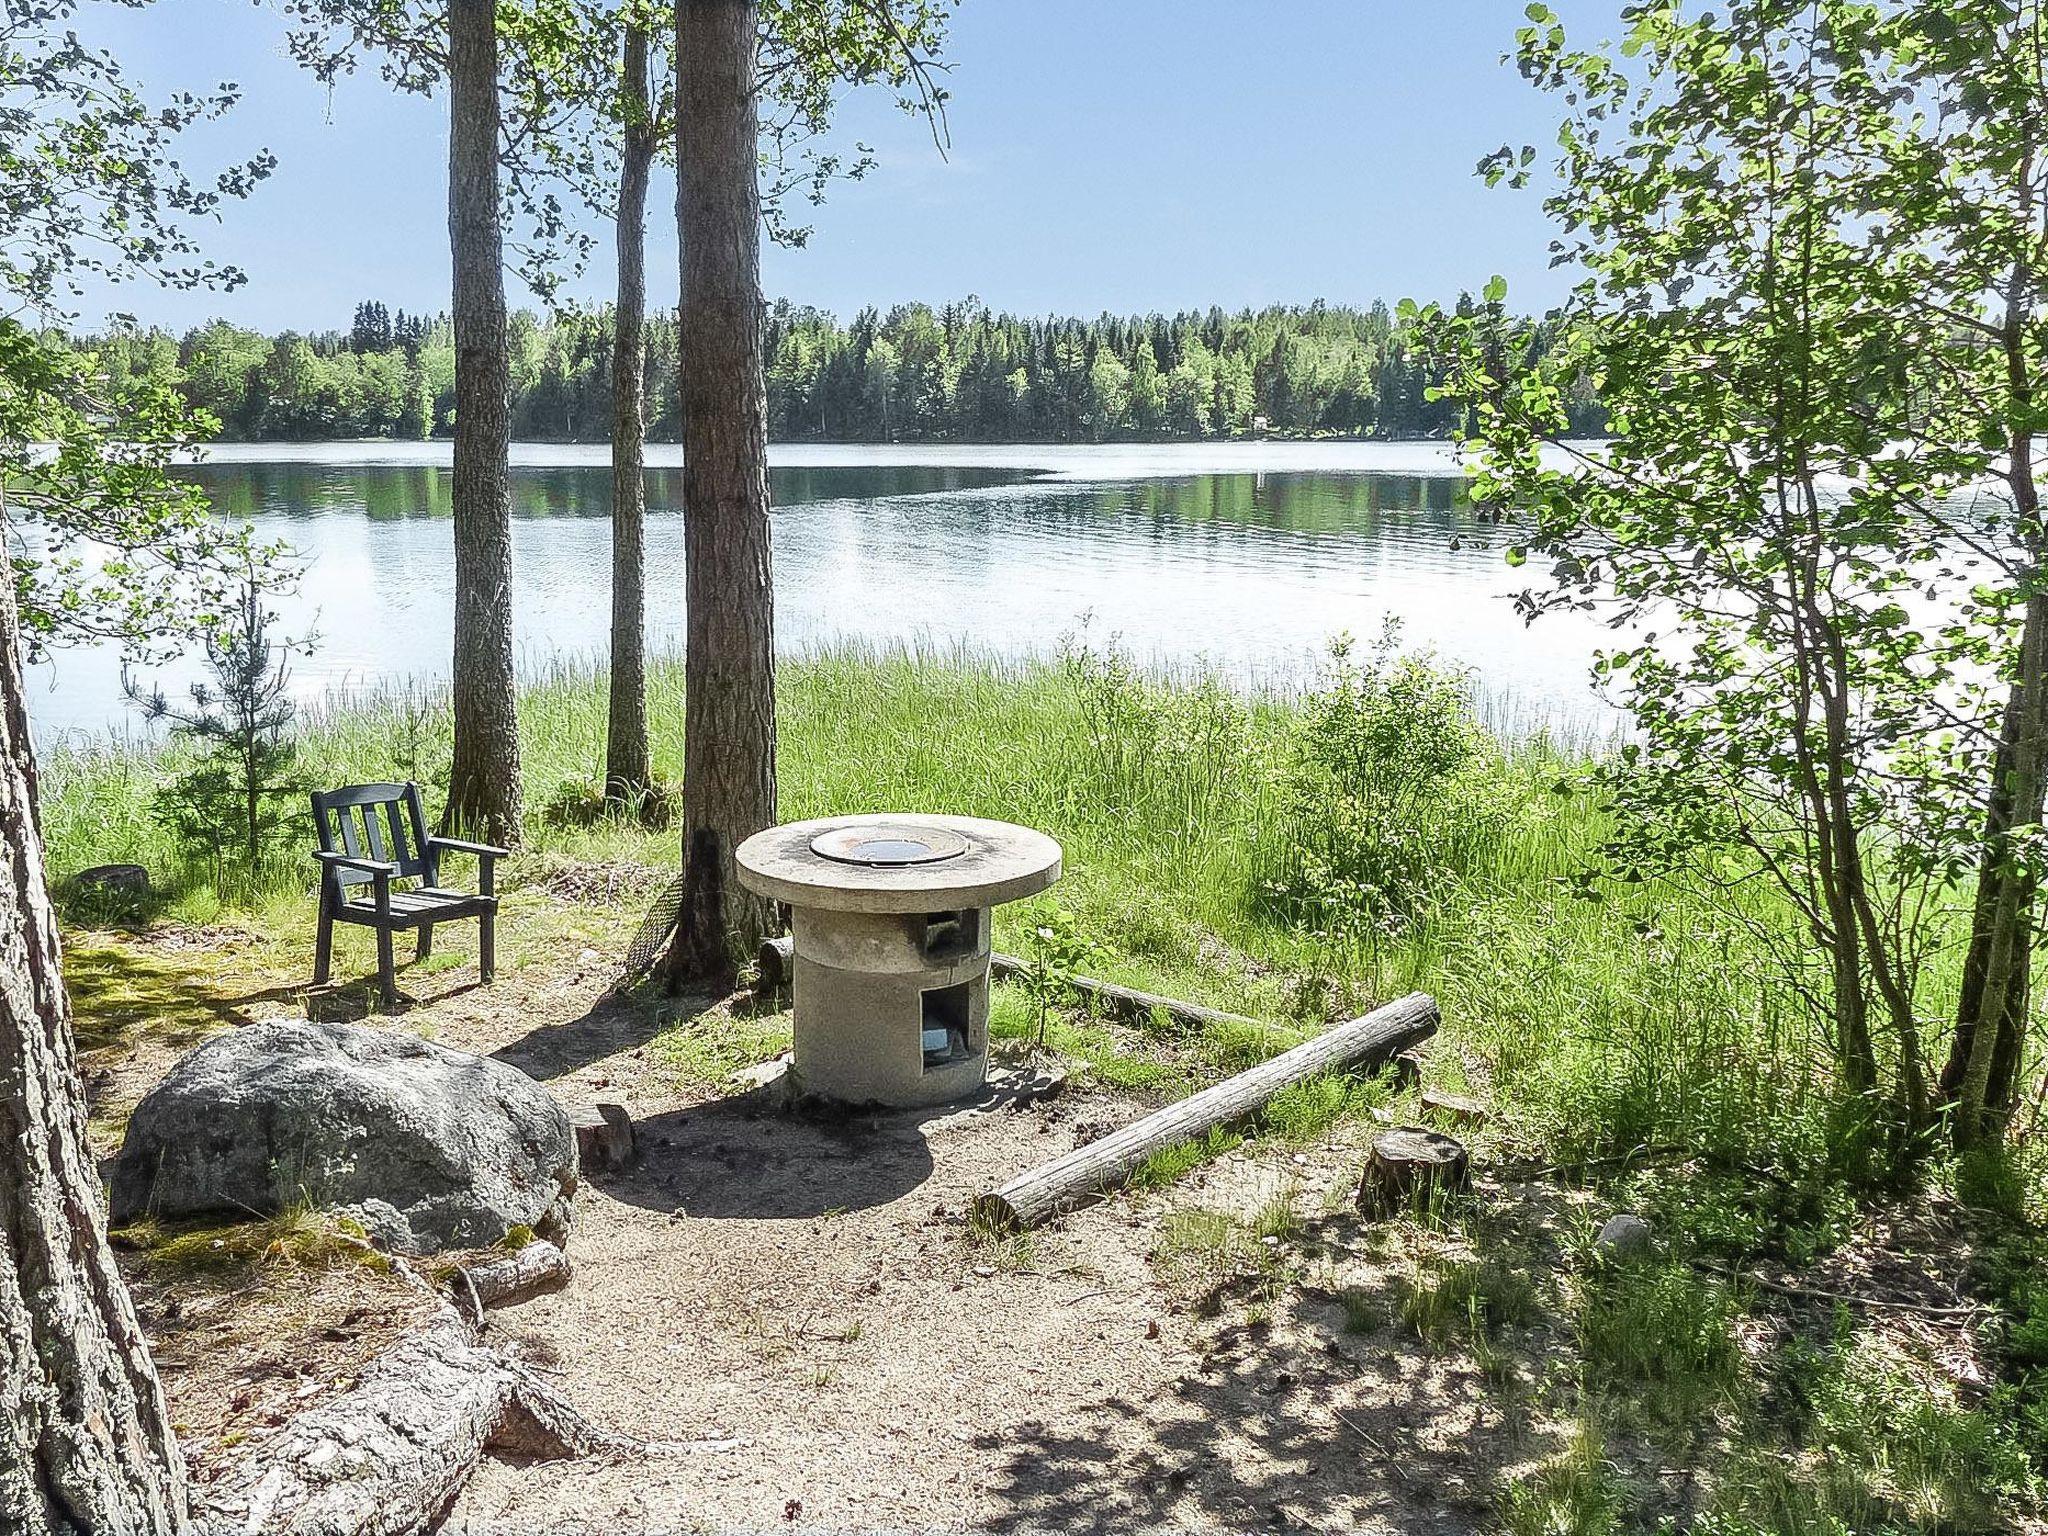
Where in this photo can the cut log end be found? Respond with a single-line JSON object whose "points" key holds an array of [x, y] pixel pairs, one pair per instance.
{"points": [[1408, 1165], [994, 1215], [538, 1267], [774, 962], [1455, 1108], [604, 1137]]}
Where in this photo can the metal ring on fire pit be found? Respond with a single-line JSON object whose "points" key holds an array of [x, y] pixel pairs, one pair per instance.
{"points": [[888, 845]]}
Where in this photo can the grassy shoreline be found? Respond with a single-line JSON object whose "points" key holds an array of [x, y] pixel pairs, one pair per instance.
{"points": [[1643, 1028], [1638, 1019]]}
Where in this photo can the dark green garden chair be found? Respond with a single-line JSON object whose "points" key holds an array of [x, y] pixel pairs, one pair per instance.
{"points": [[376, 835]]}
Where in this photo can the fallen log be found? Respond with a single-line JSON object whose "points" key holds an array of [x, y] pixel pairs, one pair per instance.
{"points": [[773, 961], [1128, 1003], [387, 1457], [1068, 1181], [539, 1266]]}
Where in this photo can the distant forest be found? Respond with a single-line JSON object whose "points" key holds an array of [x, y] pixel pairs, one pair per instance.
{"points": [[958, 373]]}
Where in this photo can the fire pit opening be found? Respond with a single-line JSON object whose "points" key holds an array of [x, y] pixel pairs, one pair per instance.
{"points": [[890, 923], [888, 845], [949, 934], [946, 1014]]}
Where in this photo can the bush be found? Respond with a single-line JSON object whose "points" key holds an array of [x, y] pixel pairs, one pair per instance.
{"points": [[1382, 795]]}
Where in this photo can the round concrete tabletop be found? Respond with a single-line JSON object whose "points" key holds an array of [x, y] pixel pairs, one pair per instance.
{"points": [[1000, 863]]}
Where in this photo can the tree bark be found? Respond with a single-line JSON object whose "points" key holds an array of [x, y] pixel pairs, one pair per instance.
{"points": [[483, 788], [387, 1457], [1983, 1071], [625, 743], [729, 666], [85, 1438]]}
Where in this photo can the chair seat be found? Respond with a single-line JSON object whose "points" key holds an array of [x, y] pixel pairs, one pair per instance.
{"points": [[428, 904]]}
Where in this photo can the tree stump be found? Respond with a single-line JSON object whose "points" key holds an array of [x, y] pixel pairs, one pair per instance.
{"points": [[604, 1137], [1409, 1164]]}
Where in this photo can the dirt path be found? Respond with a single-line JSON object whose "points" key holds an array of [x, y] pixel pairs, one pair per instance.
{"points": [[797, 1319], [796, 1315]]}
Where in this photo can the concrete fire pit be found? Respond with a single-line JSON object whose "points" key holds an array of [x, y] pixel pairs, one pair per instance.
{"points": [[891, 931]]}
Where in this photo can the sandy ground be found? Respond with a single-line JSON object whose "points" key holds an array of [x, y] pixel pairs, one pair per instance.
{"points": [[796, 1319]]}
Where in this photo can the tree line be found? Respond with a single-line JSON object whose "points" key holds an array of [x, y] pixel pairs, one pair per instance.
{"points": [[958, 372]]}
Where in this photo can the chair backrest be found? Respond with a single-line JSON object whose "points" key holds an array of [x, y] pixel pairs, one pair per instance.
{"points": [[385, 822]]}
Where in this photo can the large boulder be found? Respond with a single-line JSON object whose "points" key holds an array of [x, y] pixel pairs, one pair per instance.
{"points": [[430, 1148]]}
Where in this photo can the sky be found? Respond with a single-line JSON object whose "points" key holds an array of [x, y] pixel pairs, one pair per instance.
{"points": [[1122, 155]]}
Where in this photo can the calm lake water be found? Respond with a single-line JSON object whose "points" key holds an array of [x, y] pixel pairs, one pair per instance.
{"points": [[1241, 558]]}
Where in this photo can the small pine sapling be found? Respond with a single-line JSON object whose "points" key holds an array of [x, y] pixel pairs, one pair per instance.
{"points": [[239, 720]]}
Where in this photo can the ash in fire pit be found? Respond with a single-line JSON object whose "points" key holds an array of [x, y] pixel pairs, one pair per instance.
{"points": [[891, 930]]}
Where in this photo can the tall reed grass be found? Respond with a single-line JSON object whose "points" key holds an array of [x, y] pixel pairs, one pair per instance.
{"points": [[1184, 807]]}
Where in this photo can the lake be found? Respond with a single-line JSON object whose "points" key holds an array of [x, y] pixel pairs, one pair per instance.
{"points": [[1241, 558]]}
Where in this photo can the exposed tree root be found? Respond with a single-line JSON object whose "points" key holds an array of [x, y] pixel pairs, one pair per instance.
{"points": [[387, 1457]]}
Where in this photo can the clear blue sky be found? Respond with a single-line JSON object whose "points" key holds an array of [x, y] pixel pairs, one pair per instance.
{"points": [[1128, 155]]}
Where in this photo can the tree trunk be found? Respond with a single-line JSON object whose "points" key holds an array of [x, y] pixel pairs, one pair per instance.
{"points": [[483, 788], [625, 741], [1983, 1071], [85, 1439], [729, 669], [1982, 1075]]}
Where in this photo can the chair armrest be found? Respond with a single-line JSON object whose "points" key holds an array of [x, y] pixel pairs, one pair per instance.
{"points": [[486, 857], [457, 845], [381, 870]]}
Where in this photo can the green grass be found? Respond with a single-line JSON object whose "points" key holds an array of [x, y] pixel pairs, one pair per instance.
{"points": [[1646, 1018], [1452, 1298], [1636, 1018], [297, 1237], [1663, 1333], [1170, 1164], [1575, 1493]]}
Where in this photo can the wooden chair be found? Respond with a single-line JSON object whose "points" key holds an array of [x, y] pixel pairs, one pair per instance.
{"points": [[375, 834]]}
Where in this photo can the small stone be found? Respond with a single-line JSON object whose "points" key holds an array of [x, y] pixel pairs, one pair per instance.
{"points": [[1624, 1236], [983, 1271], [1454, 1107], [1152, 1328]]}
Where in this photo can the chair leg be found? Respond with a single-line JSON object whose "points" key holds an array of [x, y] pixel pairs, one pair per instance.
{"points": [[323, 946], [426, 941], [487, 945], [387, 969]]}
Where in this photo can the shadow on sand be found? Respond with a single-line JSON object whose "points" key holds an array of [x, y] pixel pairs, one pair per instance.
{"points": [[749, 1156]]}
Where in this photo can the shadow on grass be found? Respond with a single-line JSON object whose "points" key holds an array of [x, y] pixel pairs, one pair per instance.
{"points": [[121, 993], [1296, 1422]]}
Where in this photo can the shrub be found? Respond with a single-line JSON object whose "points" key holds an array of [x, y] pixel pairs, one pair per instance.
{"points": [[1381, 795]]}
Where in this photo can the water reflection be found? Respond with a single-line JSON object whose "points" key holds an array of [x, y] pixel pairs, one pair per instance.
{"points": [[1250, 573]]}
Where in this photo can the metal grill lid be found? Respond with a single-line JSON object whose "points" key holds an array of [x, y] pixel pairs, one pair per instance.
{"points": [[888, 845]]}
